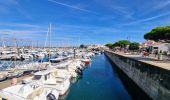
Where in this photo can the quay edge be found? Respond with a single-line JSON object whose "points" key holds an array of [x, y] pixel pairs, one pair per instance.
{"points": [[153, 80]]}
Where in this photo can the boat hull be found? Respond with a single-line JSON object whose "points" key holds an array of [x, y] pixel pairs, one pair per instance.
{"points": [[65, 88]]}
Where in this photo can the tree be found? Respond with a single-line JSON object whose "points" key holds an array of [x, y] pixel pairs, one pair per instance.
{"points": [[159, 34], [110, 45], [122, 43], [134, 46], [82, 46]]}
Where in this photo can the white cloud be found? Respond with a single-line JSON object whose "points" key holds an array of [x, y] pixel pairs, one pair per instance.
{"points": [[147, 19], [8, 6], [155, 6], [71, 6], [116, 9], [162, 4], [126, 12], [26, 25], [22, 33]]}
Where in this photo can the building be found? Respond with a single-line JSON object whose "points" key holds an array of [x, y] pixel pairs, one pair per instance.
{"points": [[164, 47], [159, 46]]}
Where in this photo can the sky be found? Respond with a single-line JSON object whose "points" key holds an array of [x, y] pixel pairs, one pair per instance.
{"points": [[77, 22]]}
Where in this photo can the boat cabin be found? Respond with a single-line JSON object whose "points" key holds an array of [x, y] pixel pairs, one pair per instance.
{"points": [[45, 76]]}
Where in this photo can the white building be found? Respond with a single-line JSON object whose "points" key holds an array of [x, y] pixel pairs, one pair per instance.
{"points": [[163, 47]]}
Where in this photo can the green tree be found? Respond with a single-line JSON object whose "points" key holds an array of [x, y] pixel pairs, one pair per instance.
{"points": [[110, 45], [134, 46], [159, 33], [82, 46], [122, 43]]}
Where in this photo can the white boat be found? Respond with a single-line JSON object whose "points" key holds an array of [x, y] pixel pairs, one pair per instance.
{"points": [[40, 55], [26, 56], [30, 91], [67, 68], [3, 76], [50, 80], [64, 68], [73, 73], [97, 52], [58, 59], [73, 67], [61, 71]]}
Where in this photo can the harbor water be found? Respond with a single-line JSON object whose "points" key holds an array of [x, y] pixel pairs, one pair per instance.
{"points": [[99, 82]]}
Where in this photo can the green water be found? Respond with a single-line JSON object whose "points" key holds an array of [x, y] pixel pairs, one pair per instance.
{"points": [[99, 82]]}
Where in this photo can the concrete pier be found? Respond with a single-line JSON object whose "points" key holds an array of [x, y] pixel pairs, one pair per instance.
{"points": [[152, 76]]}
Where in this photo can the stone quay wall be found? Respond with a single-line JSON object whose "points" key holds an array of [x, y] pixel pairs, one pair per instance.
{"points": [[153, 80]]}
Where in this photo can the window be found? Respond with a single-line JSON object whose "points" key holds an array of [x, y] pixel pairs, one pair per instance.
{"points": [[37, 77], [45, 77]]}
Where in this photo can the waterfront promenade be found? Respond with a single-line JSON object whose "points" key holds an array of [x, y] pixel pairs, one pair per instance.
{"points": [[165, 64]]}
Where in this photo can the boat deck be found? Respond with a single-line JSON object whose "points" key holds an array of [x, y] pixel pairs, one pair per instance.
{"points": [[7, 83]]}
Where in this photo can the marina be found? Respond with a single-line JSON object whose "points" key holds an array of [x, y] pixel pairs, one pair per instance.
{"points": [[98, 80], [85, 72], [43, 75], [84, 50]]}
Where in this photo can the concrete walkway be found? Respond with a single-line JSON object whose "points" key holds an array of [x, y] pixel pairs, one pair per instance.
{"points": [[165, 64]]}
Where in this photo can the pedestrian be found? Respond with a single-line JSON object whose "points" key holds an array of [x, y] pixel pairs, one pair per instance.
{"points": [[156, 53]]}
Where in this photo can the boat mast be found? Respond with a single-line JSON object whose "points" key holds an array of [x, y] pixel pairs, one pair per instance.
{"points": [[46, 38], [50, 40], [3, 44], [37, 44], [79, 42], [32, 47], [15, 49]]}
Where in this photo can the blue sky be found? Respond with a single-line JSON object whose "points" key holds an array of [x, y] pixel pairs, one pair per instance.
{"points": [[82, 21]]}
